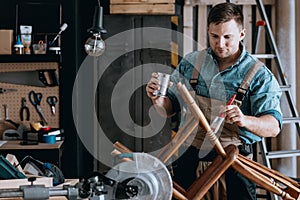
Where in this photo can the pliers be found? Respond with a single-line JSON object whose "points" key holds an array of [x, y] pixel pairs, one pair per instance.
{"points": [[25, 109]]}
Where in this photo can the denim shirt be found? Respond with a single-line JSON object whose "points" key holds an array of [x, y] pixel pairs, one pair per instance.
{"points": [[263, 95]]}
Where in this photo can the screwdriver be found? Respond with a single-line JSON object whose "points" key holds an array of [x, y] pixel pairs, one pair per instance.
{"points": [[3, 90]]}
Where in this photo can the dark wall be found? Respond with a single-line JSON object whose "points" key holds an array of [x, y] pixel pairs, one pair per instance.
{"points": [[45, 17], [78, 14]]}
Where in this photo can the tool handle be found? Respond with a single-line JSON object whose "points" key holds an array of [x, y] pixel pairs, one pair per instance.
{"points": [[52, 76], [231, 100], [198, 114]]}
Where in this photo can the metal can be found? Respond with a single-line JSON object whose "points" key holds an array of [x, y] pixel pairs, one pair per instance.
{"points": [[163, 80]]}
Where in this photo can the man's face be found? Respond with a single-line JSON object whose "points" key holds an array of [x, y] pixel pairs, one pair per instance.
{"points": [[224, 38]]}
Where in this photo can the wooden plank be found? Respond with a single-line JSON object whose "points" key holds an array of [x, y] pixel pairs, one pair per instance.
{"points": [[140, 1], [16, 183], [174, 54], [142, 9], [202, 27], [187, 29], [15, 145], [240, 2], [247, 11]]}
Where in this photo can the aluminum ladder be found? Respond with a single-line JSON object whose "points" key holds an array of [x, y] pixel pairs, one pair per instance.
{"points": [[267, 155]]}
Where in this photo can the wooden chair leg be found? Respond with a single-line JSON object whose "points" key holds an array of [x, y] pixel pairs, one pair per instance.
{"points": [[290, 186], [183, 133], [269, 172], [260, 179], [178, 192], [212, 173]]}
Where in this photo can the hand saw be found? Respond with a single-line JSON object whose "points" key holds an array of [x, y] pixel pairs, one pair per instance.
{"points": [[39, 78]]}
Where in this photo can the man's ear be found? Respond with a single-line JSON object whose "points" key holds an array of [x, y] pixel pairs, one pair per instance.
{"points": [[242, 34]]}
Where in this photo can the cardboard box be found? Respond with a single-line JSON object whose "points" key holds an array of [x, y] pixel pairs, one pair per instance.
{"points": [[6, 41]]}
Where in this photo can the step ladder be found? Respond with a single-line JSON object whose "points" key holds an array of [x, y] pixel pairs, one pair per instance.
{"points": [[267, 155]]}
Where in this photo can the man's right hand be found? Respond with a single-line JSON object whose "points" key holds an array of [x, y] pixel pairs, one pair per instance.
{"points": [[152, 86], [162, 105]]}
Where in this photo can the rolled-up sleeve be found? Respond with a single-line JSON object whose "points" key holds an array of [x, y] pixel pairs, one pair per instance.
{"points": [[265, 96]]}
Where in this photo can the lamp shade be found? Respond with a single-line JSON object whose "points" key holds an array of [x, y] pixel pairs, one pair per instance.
{"points": [[97, 21]]}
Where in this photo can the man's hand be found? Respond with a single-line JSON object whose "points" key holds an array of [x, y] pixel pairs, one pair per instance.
{"points": [[235, 115], [263, 126], [152, 86], [162, 104]]}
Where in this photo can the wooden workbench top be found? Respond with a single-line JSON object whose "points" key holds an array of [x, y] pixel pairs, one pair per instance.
{"points": [[15, 145]]}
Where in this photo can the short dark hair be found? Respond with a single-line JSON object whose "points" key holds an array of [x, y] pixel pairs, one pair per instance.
{"points": [[225, 12]]}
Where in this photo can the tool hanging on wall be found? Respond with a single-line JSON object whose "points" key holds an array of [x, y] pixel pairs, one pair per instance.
{"points": [[7, 119], [9, 134], [3, 90], [52, 101], [39, 78], [24, 110], [35, 99]]}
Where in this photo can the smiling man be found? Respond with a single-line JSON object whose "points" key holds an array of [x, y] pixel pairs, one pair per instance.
{"points": [[215, 75]]}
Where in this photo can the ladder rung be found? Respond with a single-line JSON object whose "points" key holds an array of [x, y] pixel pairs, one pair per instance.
{"points": [[264, 56], [285, 87], [289, 120], [282, 154]]}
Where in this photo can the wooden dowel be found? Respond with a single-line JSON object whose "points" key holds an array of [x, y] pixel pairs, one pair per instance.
{"points": [[263, 169], [179, 188], [121, 147], [198, 114], [174, 139], [115, 152], [292, 185], [260, 179], [173, 147], [212, 173], [177, 195]]}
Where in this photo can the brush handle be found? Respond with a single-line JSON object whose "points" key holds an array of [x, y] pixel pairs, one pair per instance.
{"points": [[231, 100]]}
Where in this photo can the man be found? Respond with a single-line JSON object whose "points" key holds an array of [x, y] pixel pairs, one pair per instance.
{"points": [[222, 68]]}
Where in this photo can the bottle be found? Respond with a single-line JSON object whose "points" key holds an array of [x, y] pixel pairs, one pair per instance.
{"points": [[19, 47]]}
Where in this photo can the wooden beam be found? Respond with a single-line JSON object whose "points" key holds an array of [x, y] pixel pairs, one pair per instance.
{"points": [[240, 2], [140, 1], [142, 9]]}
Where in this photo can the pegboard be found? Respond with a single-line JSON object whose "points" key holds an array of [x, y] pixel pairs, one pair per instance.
{"points": [[13, 99]]}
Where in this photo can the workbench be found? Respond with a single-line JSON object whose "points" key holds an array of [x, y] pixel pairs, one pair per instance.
{"points": [[44, 152], [71, 182]]}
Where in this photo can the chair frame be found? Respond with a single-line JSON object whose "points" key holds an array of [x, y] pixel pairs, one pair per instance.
{"points": [[269, 179]]}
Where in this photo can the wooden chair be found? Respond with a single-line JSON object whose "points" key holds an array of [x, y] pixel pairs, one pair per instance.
{"points": [[266, 178], [269, 179]]}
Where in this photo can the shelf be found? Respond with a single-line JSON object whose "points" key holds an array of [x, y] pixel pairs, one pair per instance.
{"points": [[15, 145], [30, 58]]}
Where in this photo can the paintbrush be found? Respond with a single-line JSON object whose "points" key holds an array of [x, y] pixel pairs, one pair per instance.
{"points": [[215, 125]]}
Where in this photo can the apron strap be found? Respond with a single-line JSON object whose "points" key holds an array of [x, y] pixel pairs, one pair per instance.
{"points": [[197, 68], [243, 88]]}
